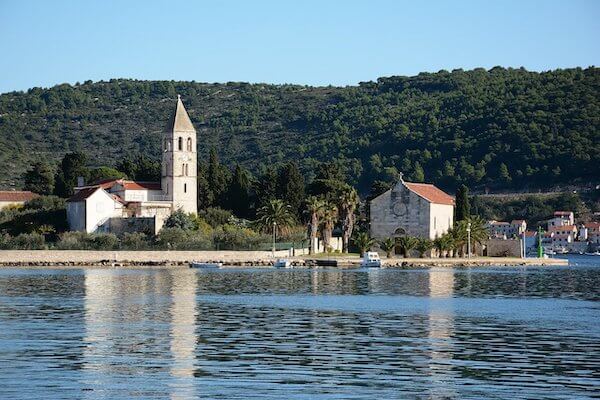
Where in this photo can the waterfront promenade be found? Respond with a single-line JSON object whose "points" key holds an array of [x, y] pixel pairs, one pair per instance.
{"points": [[83, 258]]}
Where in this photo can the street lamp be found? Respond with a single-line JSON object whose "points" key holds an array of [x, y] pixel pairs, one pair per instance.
{"points": [[274, 228], [469, 240]]}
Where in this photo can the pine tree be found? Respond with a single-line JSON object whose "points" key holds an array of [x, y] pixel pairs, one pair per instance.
{"points": [[463, 207], [40, 179], [217, 178]]}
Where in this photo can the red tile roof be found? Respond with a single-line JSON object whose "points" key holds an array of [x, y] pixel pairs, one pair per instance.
{"points": [[530, 233], [83, 194], [430, 193], [517, 221], [17, 195], [127, 184], [592, 225]]}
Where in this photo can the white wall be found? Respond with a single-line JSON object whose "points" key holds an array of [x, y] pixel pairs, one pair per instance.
{"points": [[99, 207], [441, 217]]}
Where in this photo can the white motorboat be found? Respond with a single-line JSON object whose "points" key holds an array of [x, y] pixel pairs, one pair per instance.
{"points": [[205, 265], [596, 253], [371, 260], [282, 263]]}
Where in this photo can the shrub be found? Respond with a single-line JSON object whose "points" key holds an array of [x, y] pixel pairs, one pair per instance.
{"points": [[179, 219], [235, 237], [87, 241], [135, 241], [24, 241], [171, 238], [216, 216], [46, 203]]}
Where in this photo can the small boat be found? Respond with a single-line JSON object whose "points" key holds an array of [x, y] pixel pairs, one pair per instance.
{"points": [[596, 253], [371, 260], [205, 265], [282, 263]]}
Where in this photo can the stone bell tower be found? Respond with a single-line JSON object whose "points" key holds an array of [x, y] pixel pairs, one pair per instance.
{"points": [[179, 173]]}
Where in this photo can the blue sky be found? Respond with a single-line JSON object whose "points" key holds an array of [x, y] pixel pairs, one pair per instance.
{"points": [[44, 43]]}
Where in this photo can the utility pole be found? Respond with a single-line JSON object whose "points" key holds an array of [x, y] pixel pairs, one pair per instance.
{"points": [[274, 228], [469, 240]]}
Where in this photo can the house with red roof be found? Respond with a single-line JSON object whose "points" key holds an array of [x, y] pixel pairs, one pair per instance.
{"points": [[414, 209], [15, 197], [121, 205]]}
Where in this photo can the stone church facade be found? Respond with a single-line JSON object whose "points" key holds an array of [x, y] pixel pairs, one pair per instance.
{"points": [[413, 209], [120, 205]]}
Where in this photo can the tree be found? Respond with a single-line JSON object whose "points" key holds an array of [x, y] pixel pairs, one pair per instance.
{"points": [[266, 187], [179, 219], [363, 241], [140, 168], [443, 244], [217, 178], [40, 178], [503, 173], [423, 246], [348, 202], [102, 173], [418, 175], [238, 193], [463, 207], [388, 246], [329, 216], [72, 166], [314, 209], [275, 214], [291, 186], [406, 244]]}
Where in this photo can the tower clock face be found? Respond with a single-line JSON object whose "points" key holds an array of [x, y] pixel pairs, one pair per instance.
{"points": [[399, 209]]}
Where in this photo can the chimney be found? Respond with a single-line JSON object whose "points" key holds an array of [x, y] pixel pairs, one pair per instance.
{"points": [[80, 181]]}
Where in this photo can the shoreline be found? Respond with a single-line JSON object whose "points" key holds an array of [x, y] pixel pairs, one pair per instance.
{"points": [[56, 259]]}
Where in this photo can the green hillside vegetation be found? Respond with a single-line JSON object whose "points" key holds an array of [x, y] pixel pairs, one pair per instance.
{"points": [[502, 128]]}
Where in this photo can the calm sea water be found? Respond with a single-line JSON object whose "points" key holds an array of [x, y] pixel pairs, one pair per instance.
{"points": [[380, 334]]}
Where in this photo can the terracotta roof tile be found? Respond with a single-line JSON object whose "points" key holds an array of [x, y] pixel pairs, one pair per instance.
{"points": [[83, 194], [127, 184], [17, 195], [562, 213], [430, 193]]}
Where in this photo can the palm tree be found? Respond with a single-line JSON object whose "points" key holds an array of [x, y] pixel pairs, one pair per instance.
{"points": [[423, 246], [314, 207], [330, 214], [348, 202], [363, 241], [443, 244], [388, 246], [406, 244], [274, 214]]}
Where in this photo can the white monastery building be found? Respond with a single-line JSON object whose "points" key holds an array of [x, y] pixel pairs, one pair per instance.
{"points": [[413, 209], [131, 206]]}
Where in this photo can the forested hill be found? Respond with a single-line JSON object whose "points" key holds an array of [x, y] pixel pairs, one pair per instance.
{"points": [[500, 128]]}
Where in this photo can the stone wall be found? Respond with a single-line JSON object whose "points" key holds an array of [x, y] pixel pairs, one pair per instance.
{"points": [[119, 226], [503, 248], [399, 211]]}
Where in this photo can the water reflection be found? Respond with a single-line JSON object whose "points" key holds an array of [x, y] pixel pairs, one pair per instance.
{"points": [[436, 333]]}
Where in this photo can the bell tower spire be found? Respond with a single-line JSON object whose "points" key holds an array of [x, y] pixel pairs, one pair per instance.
{"points": [[179, 172]]}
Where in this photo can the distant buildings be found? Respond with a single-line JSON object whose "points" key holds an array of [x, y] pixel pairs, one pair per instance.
{"points": [[413, 209], [506, 230], [130, 206], [15, 197], [561, 218]]}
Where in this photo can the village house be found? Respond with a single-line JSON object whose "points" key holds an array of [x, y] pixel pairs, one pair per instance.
{"points": [[561, 218], [505, 230], [130, 206], [413, 209], [593, 232], [563, 236], [15, 197]]}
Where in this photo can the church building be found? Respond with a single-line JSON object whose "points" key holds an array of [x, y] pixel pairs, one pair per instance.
{"points": [[413, 209], [120, 205]]}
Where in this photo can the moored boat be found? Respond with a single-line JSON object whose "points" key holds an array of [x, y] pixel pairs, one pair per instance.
{"points": [[371, 260], [282, 263]]}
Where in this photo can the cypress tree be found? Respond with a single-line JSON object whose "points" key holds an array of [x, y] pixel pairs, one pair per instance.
{"points": [[463, 207], [291, 186], [40, 179]]}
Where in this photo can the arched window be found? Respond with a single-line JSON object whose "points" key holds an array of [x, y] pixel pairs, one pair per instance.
{"points": [[189, 144], [180, 143], [399, 232], [187, 169], [185, 188]]}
